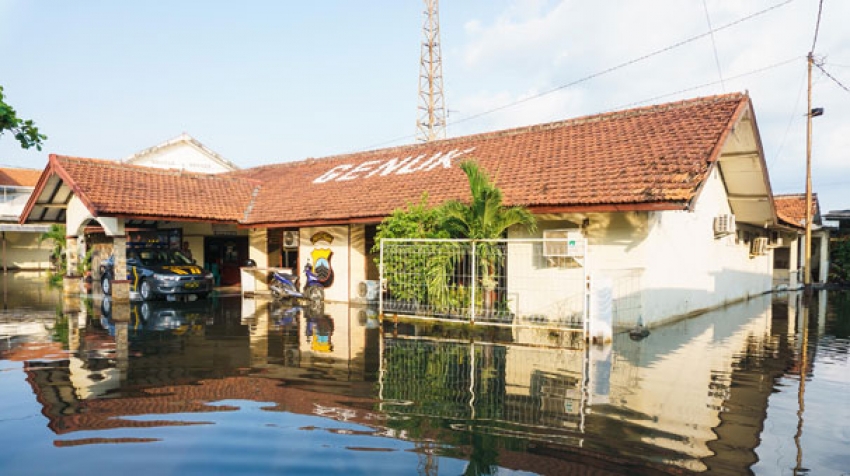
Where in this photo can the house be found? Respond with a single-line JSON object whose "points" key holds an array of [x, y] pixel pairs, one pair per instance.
{"points": [[20, 247], [788, 241], [673, 198]]}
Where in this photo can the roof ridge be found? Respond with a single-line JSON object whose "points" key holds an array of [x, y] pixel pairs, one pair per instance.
{"points": [[152, 170], [588, 119]]}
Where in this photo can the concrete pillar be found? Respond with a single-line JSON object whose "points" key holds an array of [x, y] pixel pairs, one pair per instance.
{"points": [[793, 264], [823, 276], [71, 255], [120, 285]]}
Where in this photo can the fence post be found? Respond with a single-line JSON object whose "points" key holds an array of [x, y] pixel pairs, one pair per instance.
{"points": [[381, 282], [474, 284]]}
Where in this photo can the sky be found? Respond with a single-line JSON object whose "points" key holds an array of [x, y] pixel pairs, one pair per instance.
{"points": [[263, 82]]}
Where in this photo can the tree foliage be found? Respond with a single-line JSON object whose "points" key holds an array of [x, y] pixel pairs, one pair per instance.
{"points": [[426, 274], [23, 130], [56, 235], [839, 269], [485, 217]]}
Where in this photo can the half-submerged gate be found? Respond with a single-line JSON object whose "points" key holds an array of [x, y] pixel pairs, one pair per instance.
{"points": [[525, 282]]}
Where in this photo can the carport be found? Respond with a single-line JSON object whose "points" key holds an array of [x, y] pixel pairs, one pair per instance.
{"points": [[79, 193]]}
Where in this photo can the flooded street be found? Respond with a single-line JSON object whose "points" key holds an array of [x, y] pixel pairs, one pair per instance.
{"points": [[233, 386]]}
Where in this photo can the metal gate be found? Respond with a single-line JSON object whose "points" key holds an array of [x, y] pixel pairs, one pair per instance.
{"points": [[498, 282]]}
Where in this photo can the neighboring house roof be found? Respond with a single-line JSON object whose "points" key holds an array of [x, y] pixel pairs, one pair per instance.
{"points": [[791, 209], [158, 155], [838, 215], [109, 188], [14, 177], [651, 158]]}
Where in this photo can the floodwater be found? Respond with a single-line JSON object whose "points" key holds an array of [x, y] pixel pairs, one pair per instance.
{"points": [[233, 386]]}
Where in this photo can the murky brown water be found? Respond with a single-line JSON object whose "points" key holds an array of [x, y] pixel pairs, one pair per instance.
{"points": [[242, 386]]}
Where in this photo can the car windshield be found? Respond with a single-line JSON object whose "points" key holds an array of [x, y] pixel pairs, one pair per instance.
{"points": [[163, 258]]}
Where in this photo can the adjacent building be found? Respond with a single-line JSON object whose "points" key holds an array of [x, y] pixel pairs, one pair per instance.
{"points": [[20, 245]]}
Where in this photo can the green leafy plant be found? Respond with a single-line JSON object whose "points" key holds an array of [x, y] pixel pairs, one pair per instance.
{"points": [[839, 269], [56, 235], [24, 131], [428, 274]]}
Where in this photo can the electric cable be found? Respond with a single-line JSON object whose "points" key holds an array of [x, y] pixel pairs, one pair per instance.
{"points": [[595, 75], [704, 85], [714, 46], [623, 65], [820, 67], [817, 25]]}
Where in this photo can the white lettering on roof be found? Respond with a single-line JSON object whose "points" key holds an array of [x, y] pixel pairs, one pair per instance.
{"points": [[397, 166]]}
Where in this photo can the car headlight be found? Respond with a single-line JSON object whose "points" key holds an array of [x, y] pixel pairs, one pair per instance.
{"points": [[165, 277], [208, 275]]}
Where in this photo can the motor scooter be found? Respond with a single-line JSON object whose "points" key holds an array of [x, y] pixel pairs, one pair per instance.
{"points": [[285, 286]]}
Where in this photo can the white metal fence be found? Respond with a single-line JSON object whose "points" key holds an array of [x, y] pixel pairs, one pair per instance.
{"points": [[501, 282]]}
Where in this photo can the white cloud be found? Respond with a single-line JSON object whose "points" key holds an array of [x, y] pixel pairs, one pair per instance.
{"points": [[535, 46]]}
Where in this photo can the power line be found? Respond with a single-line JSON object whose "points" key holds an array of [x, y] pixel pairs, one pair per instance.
{"points": [[820, 67], [606, 71], [623, 65], [794, 116], [817, 25], [705, 85], [714, 46]]}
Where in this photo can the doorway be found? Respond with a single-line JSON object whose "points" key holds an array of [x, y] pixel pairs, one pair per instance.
{"points": [[224, 255]]}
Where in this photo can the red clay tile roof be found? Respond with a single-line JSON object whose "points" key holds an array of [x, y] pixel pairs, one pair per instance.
{"points": [[647, 158], [113, 189], [791, 209], [19, 177], [652, 158]]}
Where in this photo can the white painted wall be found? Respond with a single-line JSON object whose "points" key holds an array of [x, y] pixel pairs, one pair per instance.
{"points": [[537, 286], [12, 201], [663, 264], [182, 156], [687, 269], [356, 268]]}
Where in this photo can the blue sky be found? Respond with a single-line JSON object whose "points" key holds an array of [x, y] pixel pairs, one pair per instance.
{"points": [[271, 81]]}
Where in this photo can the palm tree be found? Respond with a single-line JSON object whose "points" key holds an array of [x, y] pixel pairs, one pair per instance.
{"points": [[56, 234], [484, 218]]}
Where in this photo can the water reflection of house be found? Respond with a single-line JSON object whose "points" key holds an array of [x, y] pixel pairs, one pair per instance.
{"points": [[674, 200], [121, 369], [668, 396]]}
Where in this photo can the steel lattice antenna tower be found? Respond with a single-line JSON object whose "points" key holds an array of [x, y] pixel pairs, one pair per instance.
{"points": [[432, 107]]}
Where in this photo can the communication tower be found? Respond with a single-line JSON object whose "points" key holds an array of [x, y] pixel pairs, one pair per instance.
{"points": [[431, 124]]}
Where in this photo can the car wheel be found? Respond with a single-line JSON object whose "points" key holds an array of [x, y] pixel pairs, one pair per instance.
{"points": [[145, 309], [146, 291], [106, 285]]}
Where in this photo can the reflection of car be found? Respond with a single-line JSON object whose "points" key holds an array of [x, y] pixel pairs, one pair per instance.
{"points": [[157, 316], [155, 272]]}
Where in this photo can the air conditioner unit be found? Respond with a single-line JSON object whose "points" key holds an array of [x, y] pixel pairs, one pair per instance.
{"points": [[563, 243], [775, 239], [290, 239], [758, 246], [368, 290], [724, 225]]}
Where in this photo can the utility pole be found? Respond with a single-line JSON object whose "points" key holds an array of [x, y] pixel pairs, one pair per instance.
{"points": [[807, 272], [813, 112], [431, 123]]}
